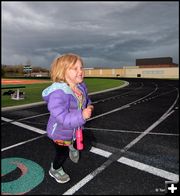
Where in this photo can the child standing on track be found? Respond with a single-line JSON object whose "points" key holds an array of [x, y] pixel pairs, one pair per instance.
{"points": [[70, 107]]}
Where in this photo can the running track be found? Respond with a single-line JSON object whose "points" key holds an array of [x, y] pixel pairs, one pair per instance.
{"points": [[131, 144]]}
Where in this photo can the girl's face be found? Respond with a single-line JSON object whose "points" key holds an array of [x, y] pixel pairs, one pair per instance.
{"points": [[75, 74]]}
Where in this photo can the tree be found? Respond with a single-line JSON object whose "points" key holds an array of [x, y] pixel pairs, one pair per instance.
{"points": [[2, 72]]}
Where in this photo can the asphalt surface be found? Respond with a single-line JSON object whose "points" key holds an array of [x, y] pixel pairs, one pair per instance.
{"points": [[131, 145]]}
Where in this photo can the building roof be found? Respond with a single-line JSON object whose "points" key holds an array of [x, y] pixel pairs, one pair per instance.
{"points": [[154, 61]]}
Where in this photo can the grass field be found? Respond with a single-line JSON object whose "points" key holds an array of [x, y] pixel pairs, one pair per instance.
{"points": [[33, 91]]}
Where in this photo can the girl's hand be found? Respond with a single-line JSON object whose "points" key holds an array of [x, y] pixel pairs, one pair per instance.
{"points": [[87, 113], [91, 107]]}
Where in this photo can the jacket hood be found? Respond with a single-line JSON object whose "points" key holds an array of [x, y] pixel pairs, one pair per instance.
{"points": [[56, 86]]}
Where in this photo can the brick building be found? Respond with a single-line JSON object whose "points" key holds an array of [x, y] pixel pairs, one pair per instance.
{"points": [[155, 62]]}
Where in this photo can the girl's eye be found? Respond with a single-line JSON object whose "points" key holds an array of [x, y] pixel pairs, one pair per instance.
{"points": [[76, 68]]}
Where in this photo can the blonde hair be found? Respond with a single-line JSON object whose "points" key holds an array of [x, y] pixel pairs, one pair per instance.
{"points": [[61, 64]]}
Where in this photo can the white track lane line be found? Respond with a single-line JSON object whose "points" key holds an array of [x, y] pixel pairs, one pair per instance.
{"points": [[38, 115], [126, 131], [155, 171], [24, 126], [150, 169], [21, 143], [138, 165], [122, 107]]}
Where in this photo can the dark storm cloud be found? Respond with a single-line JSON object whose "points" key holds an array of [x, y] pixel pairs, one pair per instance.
{"points": [[110, 34]]}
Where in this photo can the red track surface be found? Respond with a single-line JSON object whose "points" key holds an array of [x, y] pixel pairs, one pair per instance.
{"points": [[21, 81]]}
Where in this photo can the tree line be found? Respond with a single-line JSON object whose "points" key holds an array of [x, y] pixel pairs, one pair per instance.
{"points": [[9, 70]]}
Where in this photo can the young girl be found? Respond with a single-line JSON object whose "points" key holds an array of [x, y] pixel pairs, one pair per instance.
{"points": [[70, 107]]}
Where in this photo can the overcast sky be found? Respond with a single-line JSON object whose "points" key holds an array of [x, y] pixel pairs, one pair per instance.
{"points": [[104, 34]]}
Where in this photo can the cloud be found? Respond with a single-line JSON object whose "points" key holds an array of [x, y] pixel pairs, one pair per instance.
{"points": [[108, 33]]}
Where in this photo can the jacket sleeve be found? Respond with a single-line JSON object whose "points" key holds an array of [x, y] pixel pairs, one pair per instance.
{"points": [[58, 106]]}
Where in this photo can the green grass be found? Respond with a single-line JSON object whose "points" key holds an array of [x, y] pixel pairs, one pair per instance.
{"points": [[33, 91]]}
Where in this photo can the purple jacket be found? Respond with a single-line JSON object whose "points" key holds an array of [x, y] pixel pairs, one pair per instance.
{"points": [[65, 117]]}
